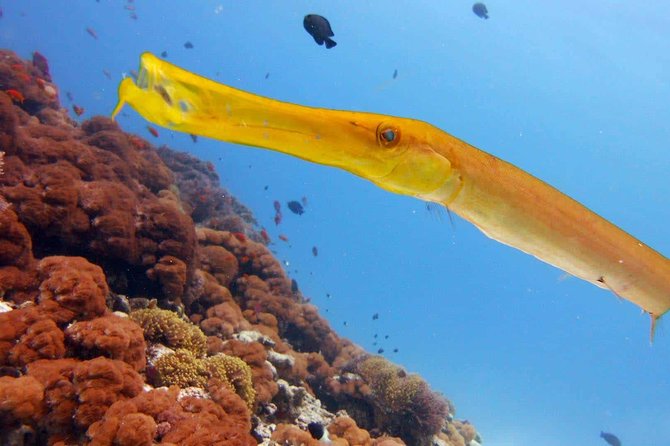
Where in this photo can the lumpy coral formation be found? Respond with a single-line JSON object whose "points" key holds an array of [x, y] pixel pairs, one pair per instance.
{"points": [[141, 305]]}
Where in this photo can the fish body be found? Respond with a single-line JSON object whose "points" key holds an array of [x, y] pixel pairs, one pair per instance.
{"points": [[295, 207], [319, 28], [16, 95], [480, 10], [611, 439], [414, 158], [91, 32], [188, 45]]}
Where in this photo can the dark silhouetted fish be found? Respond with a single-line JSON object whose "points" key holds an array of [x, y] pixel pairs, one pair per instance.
{"points": [[611, 439], [480, 10], [294, 286], [296, 207], [375, 316], [267, 75], [395, 73], [164, 54], [188, 45], [380, 351], [319, 28], [315, 251]]}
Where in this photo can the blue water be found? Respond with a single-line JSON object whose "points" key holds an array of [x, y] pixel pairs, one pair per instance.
{"points": [[576, 93]]}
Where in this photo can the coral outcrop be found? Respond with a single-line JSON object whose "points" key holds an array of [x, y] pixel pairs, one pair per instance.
{"points": [[141, 305]]}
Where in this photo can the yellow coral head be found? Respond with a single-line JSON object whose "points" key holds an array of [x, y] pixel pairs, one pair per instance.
{"points": [[394, 153]]}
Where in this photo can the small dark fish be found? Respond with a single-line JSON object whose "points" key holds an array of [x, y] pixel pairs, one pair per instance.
{"points": [[267, 75], [78, 110], [316, 430], [92, 33], [375, 316], [283, 238], [278, 218], [319, 28], [380, 351], [395, 350], [480, 10], [296, 207], [376, 335], [386, 336], [107, 74], [277, 206], [188, 45], [345, 323], [69, 96], [265, 187], [611, 439], [315, 251], [395, 73], [194, 138], [164, 54], [294, 286], [153, 131]]}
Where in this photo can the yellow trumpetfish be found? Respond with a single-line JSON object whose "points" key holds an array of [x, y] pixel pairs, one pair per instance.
{"points": [[414, 158]]}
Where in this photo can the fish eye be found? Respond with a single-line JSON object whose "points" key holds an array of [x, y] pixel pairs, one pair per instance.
{"points": [[387, 135]]}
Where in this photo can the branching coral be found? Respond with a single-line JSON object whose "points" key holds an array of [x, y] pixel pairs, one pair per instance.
{"points": [[166, 327], [235, 372], [398, 397], [184, 369]]}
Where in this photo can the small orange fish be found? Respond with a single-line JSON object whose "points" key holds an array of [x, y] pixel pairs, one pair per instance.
{"points": [[153, 131], [283, 237], [16, 95], [92, 33], [265, 236], [78, 110]]}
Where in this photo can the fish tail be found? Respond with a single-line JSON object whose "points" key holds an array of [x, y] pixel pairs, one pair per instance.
{"points": [[330, 42]]}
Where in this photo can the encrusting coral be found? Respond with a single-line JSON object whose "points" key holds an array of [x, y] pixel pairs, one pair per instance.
{"points": [[92, 220]]}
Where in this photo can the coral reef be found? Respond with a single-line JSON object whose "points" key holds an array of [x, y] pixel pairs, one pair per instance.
{"points": [[140, 304]]}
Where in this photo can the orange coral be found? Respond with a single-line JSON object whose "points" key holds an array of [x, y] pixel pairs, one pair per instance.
{"points": [[185, 421], [42, 340], [111, 336], [77, 393], [345, 427], [21, 401], [77, 286], [290, 435]]}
